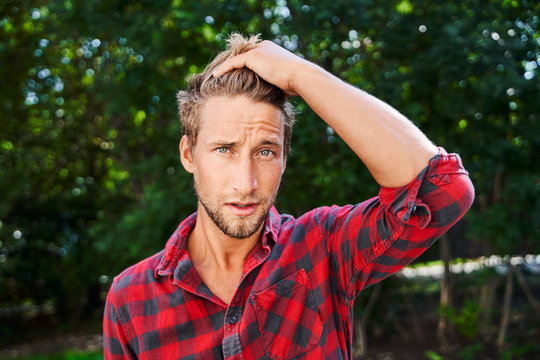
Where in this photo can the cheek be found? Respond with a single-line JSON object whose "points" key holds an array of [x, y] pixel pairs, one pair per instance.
{"points": [[214, 175], [271, 175], [205, 172]]}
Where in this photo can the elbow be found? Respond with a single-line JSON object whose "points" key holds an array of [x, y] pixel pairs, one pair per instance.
{"points": [[462, 193], [467, 198]]}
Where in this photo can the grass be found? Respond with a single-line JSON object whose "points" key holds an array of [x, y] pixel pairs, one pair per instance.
{"points": [[68, 355]]}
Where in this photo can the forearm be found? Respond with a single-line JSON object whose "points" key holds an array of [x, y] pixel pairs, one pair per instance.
{"points": [[376, 238], [392, 147]]}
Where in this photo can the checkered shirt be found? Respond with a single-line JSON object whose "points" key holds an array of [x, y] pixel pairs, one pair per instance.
{"points": [[296, 293]]}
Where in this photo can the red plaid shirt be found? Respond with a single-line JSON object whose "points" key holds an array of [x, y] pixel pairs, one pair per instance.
{"points": [[296, 294]]}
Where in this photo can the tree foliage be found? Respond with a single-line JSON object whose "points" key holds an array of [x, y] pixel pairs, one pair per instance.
{"points": [[90, 175]]}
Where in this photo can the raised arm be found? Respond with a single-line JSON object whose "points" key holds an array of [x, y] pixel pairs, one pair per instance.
{"points": [[392, 147]]}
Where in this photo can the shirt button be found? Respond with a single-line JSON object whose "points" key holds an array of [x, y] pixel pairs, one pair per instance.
{"points": [[233, 320]]}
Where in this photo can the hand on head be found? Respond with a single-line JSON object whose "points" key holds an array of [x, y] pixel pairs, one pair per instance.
{"points": [[270, 61]]}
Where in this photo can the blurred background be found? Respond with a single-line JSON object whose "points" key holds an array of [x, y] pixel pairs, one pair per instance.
{"points": [[90, 180]]}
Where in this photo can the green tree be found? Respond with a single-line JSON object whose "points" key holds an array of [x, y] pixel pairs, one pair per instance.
{"points": [[90, 175]]}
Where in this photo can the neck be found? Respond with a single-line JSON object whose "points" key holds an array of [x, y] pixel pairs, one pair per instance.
{"points": [[209, 247]]}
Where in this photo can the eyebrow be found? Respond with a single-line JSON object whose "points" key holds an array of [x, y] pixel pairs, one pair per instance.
{"points": [[223, 143], [234, 143], [271, 143]]}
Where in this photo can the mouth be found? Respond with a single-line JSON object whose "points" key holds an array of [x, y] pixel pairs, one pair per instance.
{"points": [[242, 205], [242, 208]]}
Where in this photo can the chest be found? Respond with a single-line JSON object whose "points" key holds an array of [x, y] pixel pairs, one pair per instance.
{"points": [[284, 307], [222, 284]]}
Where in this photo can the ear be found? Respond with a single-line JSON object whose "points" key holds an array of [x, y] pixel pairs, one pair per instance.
{"points": [[185, 154]]}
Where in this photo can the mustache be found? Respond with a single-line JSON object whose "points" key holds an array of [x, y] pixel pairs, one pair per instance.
{"points": [[238, 199]]}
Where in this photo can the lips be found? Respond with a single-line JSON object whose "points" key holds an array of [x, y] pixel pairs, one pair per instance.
{"points": [[242, 209]]}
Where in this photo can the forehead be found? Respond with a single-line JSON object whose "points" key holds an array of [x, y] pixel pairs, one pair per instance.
{"points": [[234, 118]]}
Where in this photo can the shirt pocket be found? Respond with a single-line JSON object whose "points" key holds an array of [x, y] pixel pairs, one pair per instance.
{"points": [[288, 318]]}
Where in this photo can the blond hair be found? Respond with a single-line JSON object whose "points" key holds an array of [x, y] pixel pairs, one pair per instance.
{"points": [[244, 81]]}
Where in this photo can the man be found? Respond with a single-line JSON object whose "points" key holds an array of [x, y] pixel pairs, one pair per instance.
{"points": [[237, 280]]}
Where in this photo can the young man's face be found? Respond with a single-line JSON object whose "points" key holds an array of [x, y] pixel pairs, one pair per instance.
{"points": [[236, 163]]}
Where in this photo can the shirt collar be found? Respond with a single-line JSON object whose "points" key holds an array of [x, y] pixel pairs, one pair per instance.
{"points": [[176, 245], [271, 228]]}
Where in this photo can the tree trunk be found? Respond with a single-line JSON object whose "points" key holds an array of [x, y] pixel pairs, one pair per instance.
{"points": [[360, 339], [497, 186], [487, 296], [360, 324], [446, 291], [528, 293], [413, 315], [507, 307], [399, 328]]}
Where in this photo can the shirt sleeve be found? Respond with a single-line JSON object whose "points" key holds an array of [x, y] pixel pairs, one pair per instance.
{"points": [[115, 343], [374, 239]]}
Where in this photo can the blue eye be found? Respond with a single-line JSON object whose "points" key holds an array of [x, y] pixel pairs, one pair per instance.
{"points": [[222, 150], [266, 152]]}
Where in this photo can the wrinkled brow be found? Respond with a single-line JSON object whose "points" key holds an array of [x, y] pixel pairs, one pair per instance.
{"points": [[265, 142]]}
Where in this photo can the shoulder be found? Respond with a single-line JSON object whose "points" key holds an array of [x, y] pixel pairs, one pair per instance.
{"points": [[324, 214], [316, 219], [141, 274]]}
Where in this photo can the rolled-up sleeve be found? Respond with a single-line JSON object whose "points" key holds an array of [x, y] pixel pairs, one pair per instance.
{"points": [[378, 237]]}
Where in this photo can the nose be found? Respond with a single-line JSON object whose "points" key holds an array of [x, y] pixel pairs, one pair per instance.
{"points": [[245, 177]]}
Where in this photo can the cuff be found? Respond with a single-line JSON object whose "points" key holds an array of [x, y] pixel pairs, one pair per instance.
{"points": [[405, 203]]}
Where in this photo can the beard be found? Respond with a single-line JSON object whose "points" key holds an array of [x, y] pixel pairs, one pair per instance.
{"points": [[231, 225]]}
